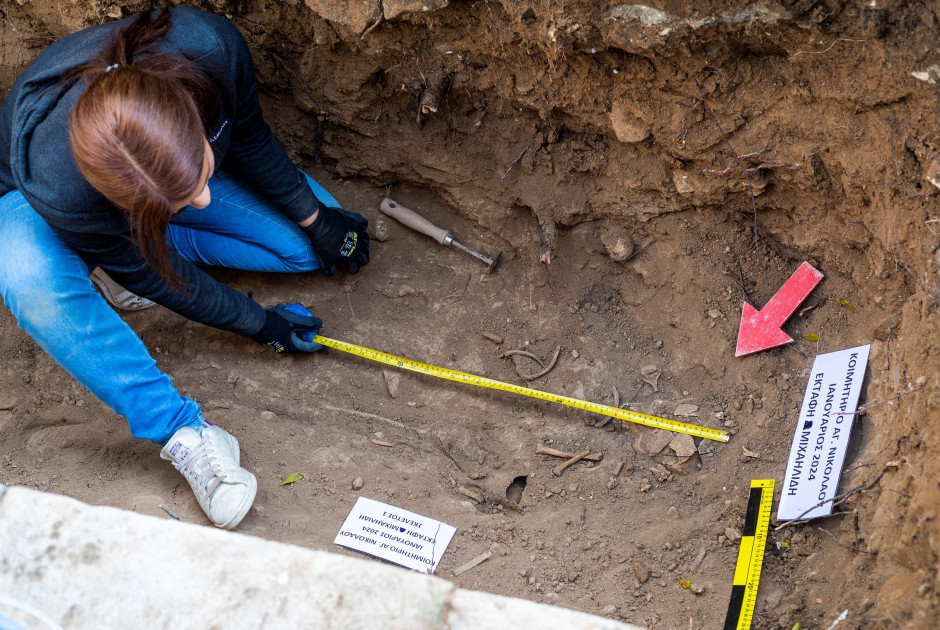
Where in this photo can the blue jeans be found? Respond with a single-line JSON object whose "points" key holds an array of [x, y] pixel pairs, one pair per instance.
{"points": [[45, 284]]}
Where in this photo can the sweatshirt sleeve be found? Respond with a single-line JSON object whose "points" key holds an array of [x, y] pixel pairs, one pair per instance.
{"points": [[204, 299], [254, 152]]}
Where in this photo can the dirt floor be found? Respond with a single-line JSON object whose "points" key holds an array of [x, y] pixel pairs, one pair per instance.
{"points": [[577, 132]]}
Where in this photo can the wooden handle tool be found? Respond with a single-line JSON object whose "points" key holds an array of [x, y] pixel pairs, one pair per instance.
{"points": [[416, 222]]}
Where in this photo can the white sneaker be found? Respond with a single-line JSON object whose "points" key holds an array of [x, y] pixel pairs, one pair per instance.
{"points": [[116, 294], [209, 459]]}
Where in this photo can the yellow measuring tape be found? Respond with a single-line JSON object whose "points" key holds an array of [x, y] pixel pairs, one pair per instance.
{"points": [[481, 381], [750, 556]]}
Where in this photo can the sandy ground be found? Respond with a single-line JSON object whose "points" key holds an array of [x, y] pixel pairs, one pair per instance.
{"points": [[590, 538]]}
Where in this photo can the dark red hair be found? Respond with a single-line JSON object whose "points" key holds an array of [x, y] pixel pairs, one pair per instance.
{"points": [[138, 132]]}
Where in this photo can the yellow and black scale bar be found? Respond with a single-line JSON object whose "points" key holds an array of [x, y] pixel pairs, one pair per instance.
{"points": [[481, 381], [750, 556]]}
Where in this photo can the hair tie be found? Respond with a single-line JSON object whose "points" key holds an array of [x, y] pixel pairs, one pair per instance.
{"points": [[110, 68]]}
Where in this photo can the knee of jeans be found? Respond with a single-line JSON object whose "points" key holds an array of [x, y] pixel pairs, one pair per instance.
{"points": [[300, 257]]}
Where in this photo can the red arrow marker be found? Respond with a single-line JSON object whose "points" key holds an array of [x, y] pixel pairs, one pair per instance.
{"points": [[760, 330]]}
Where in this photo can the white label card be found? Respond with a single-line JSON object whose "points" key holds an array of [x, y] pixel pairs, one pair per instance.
{"points": [[822, 434], [405, 538]]}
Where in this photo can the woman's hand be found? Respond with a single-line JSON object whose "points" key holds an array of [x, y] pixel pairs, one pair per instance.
{"points": [[287, 330], [338, 236]]}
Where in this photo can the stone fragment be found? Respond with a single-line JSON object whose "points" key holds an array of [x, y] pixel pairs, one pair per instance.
{"points": [[379, 230], [393, 382], [579, 392], [932, 171], [356, 16], [618, 244], [653, 443], [706, 447], [394, 8], [682, 183], [358, 483], [641, 572], [685, 409], [627, 127], [683, 445]]}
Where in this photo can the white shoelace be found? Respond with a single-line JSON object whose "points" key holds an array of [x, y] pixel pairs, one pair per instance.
{"points": [[204, 481]]}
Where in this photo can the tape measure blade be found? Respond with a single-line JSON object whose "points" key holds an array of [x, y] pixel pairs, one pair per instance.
{"points": [[482, 381]]}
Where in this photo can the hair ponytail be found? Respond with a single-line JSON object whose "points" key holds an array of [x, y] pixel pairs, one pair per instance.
{"points": [[138, 131]]}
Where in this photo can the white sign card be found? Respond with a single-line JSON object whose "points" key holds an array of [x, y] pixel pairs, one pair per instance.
{"points": [[822, 434], [405, 538]]}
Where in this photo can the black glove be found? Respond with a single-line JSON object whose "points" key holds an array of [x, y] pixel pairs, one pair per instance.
{"points": [[286, 331], [339, 236]]}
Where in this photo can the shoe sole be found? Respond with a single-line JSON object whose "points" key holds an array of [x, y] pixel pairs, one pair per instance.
{"points": [[244, 507], [117, 295]]}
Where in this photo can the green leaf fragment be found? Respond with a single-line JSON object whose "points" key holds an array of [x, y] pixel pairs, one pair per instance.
{"points": [[811, 337], [292, 478], [844, 303]]}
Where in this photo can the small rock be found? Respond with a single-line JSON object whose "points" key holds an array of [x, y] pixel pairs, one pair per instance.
{"points": [[358, 483], [698, 590], [268, 415], [932, 172], [574, 354], [579, 392], [685, 409], [618, 244], [573, 576], [641, 572], [720, 415], [393, 382], [627, 127], [379, 230], [706, 447], [609, 610], [653, 443], [682, 183], [921, 381], [673, 512], [732, 533], [658, 344], [714, 314], [683, 445]]}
